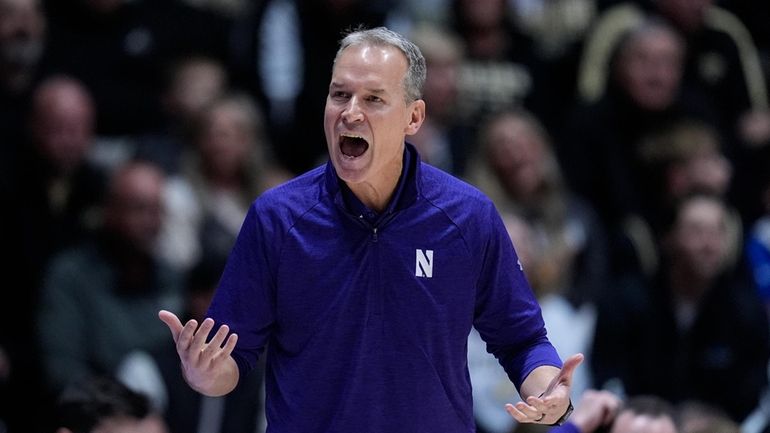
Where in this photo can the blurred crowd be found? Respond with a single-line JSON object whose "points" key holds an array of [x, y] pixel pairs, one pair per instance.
{"points": [[625, 142]]}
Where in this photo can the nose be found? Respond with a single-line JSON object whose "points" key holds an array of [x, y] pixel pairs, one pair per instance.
{"points": [[352, 112]]}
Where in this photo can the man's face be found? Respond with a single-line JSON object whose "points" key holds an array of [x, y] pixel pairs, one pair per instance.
{"points": [[226, 142], [367, 116], [517, 153], [63, 124], [135, 210], [700, 237], [651, 69], [22, 29]]}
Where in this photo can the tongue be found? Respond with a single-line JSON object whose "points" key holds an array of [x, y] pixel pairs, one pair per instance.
{"points": [[353, 147]]}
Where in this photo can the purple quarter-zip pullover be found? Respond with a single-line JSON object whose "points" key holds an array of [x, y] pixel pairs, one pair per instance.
{"points": [[365, 317]]}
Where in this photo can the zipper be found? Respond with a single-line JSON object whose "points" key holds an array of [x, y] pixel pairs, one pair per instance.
{"points": [[375, 230]]}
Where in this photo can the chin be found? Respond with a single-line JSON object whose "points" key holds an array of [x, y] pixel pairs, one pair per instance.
{"points": [[348, 166]]}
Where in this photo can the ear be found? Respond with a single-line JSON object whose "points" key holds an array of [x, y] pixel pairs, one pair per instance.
{"points": [[416, 117]]}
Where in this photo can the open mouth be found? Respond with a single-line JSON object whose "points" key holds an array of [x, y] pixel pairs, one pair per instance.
{"points": [[353, 146]]}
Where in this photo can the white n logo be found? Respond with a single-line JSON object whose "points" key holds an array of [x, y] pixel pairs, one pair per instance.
{"points": [[424, 263]]}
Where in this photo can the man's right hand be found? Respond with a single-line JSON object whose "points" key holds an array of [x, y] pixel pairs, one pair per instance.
{"points": [[207, 365]]}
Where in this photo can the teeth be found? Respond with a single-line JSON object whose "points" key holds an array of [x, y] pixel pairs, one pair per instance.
{"points": [[351, 135]]}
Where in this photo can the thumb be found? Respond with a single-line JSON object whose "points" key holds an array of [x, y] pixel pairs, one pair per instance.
{"points": [[565, 375], [571, 364], [172, 321]]}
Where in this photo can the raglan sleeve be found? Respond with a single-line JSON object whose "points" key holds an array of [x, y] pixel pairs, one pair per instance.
{"points": [[507, 314], [245, 297]]}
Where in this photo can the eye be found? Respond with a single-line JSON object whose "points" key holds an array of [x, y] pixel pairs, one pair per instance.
{"points": [[339, 95], [373, 98]]}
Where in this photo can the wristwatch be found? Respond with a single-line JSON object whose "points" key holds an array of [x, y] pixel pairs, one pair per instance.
{"points": [[566, 415]]}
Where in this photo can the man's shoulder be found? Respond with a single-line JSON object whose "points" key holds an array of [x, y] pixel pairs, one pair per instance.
{"points": [[442, 188], [301, 191]]}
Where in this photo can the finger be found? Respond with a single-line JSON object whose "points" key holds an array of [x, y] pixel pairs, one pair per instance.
{"points": [[532, 413], [202, 334], [540, 404], [227, 349], [186, 336], [213, 347], [523, 413], [516, 413], [229, 345], [173, 323], [219, 337]]}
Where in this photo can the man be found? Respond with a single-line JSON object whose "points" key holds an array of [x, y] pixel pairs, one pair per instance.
{"points": [[95, 293], [364, 277], [694, 327]]}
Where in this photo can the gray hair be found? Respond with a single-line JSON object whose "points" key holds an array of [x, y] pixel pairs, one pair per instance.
{"points": [[414, 79]]}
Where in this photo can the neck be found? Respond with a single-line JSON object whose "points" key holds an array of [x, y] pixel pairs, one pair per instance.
{"points": [[376, 194]]}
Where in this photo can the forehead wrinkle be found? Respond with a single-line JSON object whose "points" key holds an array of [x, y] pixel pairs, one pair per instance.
{"points": [[373, 90]]}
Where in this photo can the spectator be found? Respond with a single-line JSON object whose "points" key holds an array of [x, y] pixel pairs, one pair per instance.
{"points": [[684, 158], [55, 205], [516, 166], [599, 148], [61, 191], [194, 82], [22, 38], [680, 160], [695, 328], [229, 165], [723, 59], [97, 293], [721, 62]]}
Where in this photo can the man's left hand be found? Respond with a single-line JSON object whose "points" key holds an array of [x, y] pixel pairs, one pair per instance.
{"points": [[552, 404]]}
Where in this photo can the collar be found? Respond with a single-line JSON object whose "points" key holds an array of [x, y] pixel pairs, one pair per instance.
{"points": [[405, 194]]}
